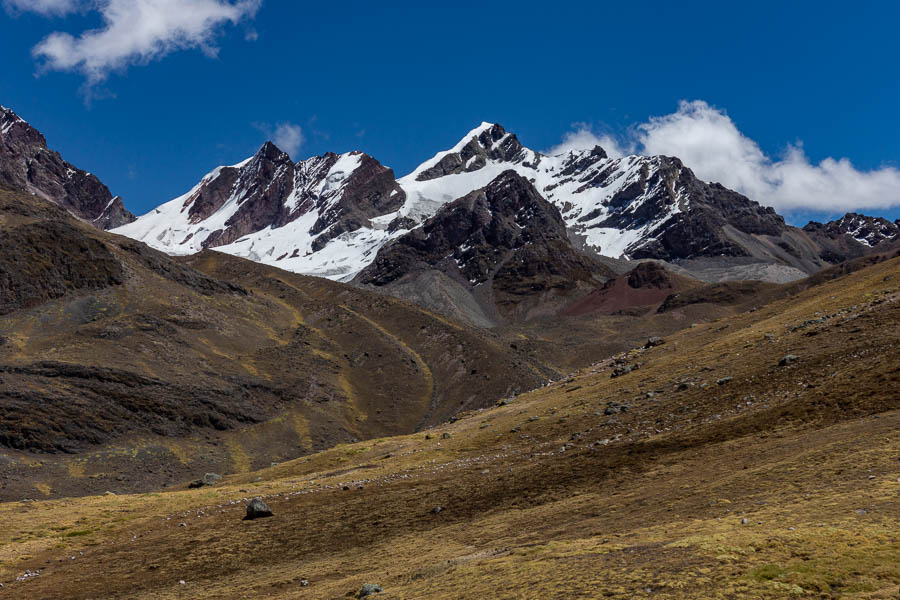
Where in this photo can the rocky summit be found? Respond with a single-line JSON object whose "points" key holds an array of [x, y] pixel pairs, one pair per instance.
{"points": [[27, 164], [504, 247]]}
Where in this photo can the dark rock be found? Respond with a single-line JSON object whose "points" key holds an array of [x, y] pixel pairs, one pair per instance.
{"points": [[263, 186], [788, 359], [257, 509], [851, 236], [475, 153]]}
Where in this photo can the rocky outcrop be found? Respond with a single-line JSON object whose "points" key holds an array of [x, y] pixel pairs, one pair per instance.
{"points": [[45, 254], [26, 164], [45, 260], [633, 293], [258, 189]]}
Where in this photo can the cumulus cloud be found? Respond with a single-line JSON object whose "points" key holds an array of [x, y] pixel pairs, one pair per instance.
{"points": [[43, 7], [138, 31], [582, 137], [709, 142], [288, 137]]}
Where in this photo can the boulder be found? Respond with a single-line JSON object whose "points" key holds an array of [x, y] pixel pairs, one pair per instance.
{"points": [[654, 341], [788, 359], [369, 589], [257, 509]]}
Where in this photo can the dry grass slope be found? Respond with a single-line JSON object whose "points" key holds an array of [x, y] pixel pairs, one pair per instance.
{"points": [[709, 472]]}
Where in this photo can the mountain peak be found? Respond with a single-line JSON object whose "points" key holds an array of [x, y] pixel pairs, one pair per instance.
{"points": [[270, 151], [488, 142], [28, 165]]}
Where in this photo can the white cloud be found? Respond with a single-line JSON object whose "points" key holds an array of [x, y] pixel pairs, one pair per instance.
{"points": [[711, 145], [138, 31], [708, 142], [288, 137], [43, 7], [582, 137]]}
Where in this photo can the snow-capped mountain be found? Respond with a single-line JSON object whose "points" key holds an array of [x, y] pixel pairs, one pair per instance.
{"points": [[630, 207], [865, 230], [318, 216], [329, 215], [27, 164]]}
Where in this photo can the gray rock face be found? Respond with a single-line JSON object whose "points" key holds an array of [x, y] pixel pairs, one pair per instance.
{"points": [[257, 509], [26, 164]]}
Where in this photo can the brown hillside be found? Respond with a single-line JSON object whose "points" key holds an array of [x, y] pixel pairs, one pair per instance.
{"points": [[755, 457], [123, 370]]}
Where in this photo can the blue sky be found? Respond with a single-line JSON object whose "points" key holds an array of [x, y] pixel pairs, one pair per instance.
{"points": [[402, 80]]}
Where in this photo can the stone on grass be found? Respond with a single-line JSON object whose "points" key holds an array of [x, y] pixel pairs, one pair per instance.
{"points": [[257, 509], [787, 359], [208, 479], [654, 341], [623, 370], [369, 589]]}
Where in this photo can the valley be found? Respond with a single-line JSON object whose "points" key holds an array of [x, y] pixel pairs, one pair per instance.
{"points": [[505, 374], [719, 468]]}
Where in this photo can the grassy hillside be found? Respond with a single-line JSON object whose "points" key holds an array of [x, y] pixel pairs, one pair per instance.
{"points": [[124, 370], [752, 457]]}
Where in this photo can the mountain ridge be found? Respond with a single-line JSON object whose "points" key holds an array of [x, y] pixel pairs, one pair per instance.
{"points": [[634, 207], [331, 215], [27, 164]]}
